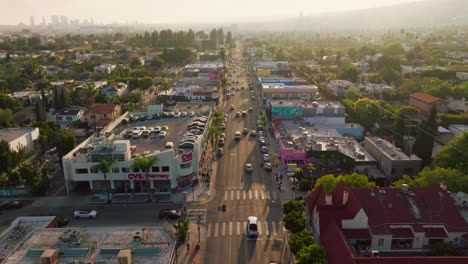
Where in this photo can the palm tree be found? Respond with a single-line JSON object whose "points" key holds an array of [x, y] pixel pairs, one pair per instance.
{"points": [[105, 167], [165, 86], [144, 164]]}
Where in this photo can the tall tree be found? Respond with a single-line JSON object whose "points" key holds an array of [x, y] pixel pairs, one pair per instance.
{"points": [[425, 138], [229, 39], [367, 112], [105, 167], [311, 254], [9, 160], [144, 164]]}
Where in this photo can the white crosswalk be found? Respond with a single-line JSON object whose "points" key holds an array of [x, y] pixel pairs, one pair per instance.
{"points": [[233, 195], [193, 215], [265, 228]]}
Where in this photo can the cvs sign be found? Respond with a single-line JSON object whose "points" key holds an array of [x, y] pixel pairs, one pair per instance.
{"points": [[187, 157]]}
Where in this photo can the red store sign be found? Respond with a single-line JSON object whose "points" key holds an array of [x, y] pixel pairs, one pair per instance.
{"points": [[187, 157], [143, 176]]}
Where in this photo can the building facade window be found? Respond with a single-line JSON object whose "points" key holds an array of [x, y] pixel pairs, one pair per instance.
{"points": [[136, 170], [115, 170], [185, 165], [165, 168], [125, 170], [69, 118], [81, 171], [94, 170], [155, 169], [381, 242]]}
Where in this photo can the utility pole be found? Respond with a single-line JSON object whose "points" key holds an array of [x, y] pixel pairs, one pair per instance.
{"points": [[198, 228]]}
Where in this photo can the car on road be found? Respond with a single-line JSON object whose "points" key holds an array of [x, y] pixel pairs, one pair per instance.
{"points": [[11, 205], [266, 157], [237, 136], [264, 149], [250, 109], [171, 214], [262, 142], [87, 213], [248, 167], [233, 107], [238, 114], [221, 142], [267, 166], [253, 133], [244, 113], [261, 139], [252, 226], [260, 133], [245, 131]]}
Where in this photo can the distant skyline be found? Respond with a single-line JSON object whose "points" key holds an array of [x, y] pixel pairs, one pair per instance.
{"points": [[175, 11]]}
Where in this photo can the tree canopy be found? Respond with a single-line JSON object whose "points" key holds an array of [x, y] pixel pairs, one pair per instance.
{"points": [[454, 155], [455, 180], [354, 180]]}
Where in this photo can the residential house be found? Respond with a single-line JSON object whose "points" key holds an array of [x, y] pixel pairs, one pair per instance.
{"points": [[425, 102], [19, 137], [66, 116], [116, 89], [462, 76], [104, 68], [385, 225], [393, 162], [102, 114]]}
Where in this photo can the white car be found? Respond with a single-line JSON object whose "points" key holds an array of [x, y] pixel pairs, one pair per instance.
{"points": [[252, 228], [191, 113], [164, 128], [162, 134], [85, 214], [261, 139], [183, 114], [248, 167], [266, 157], [253, 133], [264, 149], [267, 166]]}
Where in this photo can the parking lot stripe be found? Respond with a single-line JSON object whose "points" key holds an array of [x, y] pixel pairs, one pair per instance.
{"points": [[209, 230], [216, 230]]}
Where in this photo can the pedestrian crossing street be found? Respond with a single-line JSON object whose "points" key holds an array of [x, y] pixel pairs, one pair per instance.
{"points": [[265, 229], [233, 195]]}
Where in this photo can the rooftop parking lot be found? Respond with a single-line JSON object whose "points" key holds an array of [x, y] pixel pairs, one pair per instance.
{"points": [[176, 128]]}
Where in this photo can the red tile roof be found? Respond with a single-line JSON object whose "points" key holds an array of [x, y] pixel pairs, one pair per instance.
{"points": [[435, 232], [102, 108], [402, 232], [357, 233], [427, 98]]}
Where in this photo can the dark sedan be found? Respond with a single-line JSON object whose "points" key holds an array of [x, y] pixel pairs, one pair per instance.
{"points": [[171, 214]]}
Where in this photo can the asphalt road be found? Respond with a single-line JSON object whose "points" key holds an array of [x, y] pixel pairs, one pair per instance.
{"points": [[244, 194]]}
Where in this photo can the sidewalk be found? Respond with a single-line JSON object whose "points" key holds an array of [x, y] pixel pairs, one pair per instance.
{"points": [[194, 255]]}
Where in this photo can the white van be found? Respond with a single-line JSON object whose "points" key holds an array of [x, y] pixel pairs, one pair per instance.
{"points": [[169, 145]]}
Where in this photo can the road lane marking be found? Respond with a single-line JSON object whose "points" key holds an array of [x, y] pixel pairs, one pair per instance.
{"points": [[245, 227], [267, 231], [256, 195], [259, 227], [232, 195], [263, 195], [250, 194], [225, 195], [230, 228], [223, 229], [268, 195], [216, 230], [243, 195], [238, 194], [238, 228], [273, 227], [209, 230]]}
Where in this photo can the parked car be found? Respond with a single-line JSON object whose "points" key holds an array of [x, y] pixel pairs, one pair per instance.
{"points": [[183, 114], [171, 214], [219, 152], [248, 167], [221, 142], [264, 149], [164, 128], [177, 114], [232, 107], [266, 157], [162, 134], [7, 205], [85, 213], [267, 166]]}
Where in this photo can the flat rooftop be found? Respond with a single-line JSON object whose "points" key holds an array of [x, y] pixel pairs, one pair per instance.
{"points": [[390, 150], [299, 103], [275, 85], [205, 65], [321, 138], [97, 244], [12, 133], [177, 127]]}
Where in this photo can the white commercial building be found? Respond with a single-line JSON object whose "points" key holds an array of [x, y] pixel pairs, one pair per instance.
{"points": [[20, 137]]}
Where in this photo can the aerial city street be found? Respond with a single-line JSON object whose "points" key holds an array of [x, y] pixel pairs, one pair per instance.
{"points": [[220, 132]]}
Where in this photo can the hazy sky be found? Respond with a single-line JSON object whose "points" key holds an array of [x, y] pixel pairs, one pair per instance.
{"points": [[175, 11]]}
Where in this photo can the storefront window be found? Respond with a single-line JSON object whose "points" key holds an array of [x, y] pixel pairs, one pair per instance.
{"points": [[165, 168], [122, 186], [81, 171], [155, 169], [162, 185], [125, 170], [141, 186]]}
